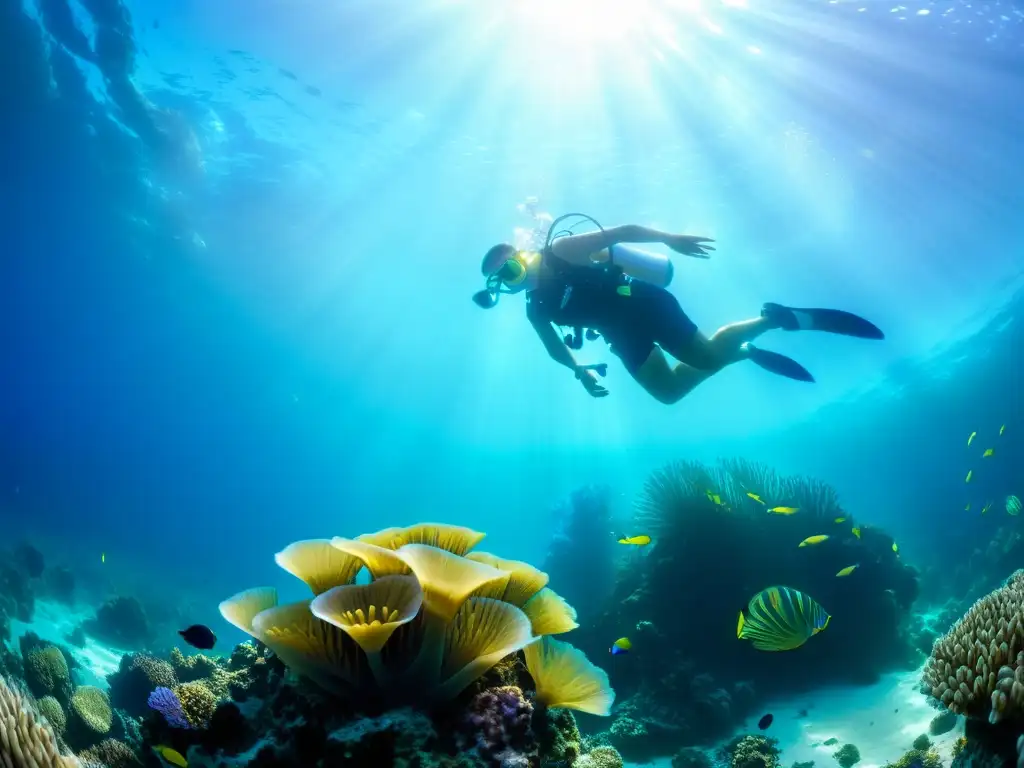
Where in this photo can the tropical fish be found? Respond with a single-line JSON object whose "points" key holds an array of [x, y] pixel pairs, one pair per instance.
{"points": [[986, 508], [755, 497], [848, 570], [714, 498], [765, 721], [784, 510], [622, 645], [1013, 505], [199, 636], [988, 452], [894, 547], [172, 756], [968, 507], [812, 540], [855, 532], [103, 557], [840, 520], [1002, 429], [780, 619], [971, 439], [970, 474], [636, 541]]}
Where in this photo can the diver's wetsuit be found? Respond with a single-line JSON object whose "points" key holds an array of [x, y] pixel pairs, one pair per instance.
{"points": [[632, 320]]}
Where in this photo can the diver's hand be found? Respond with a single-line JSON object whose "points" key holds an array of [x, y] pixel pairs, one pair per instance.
{"points": [[691, 245], [589, 381]]}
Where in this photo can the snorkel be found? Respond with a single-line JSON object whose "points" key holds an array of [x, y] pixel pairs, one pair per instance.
{"points": [[511, 275]]}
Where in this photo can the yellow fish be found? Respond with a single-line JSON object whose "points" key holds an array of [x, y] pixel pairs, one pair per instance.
{"points": [[848, 570], [971, 439], [172, 756], [622, 645], [636, 541], [755, 497], [812, 540], [103, 557], [894, 547], [714, 498], [1002, 429], [855, 532], [986, 508], [840, 520], [784, 510], [988, 452], [970, 474]]}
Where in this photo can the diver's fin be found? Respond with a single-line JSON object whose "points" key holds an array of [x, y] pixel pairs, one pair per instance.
{"points": [[776, 363], [827, 320]]}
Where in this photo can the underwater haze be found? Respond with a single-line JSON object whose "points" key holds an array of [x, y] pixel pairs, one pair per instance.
{"points": [[240, 241]]}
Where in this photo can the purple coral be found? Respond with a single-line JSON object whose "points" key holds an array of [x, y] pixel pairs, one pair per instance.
{"points": [[498, 720], [166, 702]]}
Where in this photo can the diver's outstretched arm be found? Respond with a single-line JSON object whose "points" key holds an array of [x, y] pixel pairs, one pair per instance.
{"points": [[586, 248]]}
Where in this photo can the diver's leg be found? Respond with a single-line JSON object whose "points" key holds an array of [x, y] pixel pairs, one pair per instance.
{"points": [[724, 347], [667, 383]]}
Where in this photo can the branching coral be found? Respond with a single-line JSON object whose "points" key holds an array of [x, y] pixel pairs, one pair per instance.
{"points": [[977, 668], [26, 741], [431, 621]]}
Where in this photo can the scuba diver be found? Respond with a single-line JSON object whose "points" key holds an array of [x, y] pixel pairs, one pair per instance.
{"points": [[597, 285]]}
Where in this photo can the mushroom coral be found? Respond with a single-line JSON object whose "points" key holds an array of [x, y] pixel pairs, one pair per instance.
{"points": [[432, 619]]}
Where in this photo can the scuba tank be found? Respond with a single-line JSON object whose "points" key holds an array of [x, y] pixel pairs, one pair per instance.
{"points": [[653, 268]]}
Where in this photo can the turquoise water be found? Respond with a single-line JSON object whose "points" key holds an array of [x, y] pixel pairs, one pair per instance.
{"points": [[241, 241]]}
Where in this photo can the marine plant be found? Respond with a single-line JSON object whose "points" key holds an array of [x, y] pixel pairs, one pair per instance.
{"points": [[26, 740], [977, 668], [433, 618]]}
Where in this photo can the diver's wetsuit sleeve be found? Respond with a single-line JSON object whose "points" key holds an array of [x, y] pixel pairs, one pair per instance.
{"points": [[549, 337]]}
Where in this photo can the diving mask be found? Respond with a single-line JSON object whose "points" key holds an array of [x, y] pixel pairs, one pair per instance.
{"points": [[510, 277]]}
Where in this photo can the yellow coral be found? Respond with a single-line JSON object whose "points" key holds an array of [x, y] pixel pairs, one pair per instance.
{"points": [[430, 621], [92, 707], [25, 740], [319, 564], [549, 614], [566, 678], [977, 668], [197, 702]]}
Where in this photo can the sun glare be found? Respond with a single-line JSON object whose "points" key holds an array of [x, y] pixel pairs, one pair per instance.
{"points": [[587, 22]]}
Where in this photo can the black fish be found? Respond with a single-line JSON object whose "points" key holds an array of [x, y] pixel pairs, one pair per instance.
{"points": [[765, 721], [199, 636]]}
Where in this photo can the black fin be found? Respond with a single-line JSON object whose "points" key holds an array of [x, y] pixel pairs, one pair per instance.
{"points": [[826, 320], [778, 364]]}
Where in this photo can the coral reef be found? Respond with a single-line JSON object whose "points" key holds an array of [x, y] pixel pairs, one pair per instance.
{"points": [[916, 758], [27, 741], [599, 757], [197, 703], [47, 673], [847, 755], [977, 668], [691, 757], [111, 753], [922, 743], [753, 752], [51, 709], [121, 622], [89, 717], [434, 618], [17, 598], [136, 678], [166, 702], [557, 736], [497, 725], [944, 722]]}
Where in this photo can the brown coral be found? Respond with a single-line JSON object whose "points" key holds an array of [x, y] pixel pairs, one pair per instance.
{"points": [[198, 703], [977, 668], [26, 741]]}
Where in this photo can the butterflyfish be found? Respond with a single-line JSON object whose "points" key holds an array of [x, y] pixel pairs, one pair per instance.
{"points": [[971, 439], [855, 532], [988, 452], [840, 520], [780, 619], [810, 541], [755, 497], [970, 474], [848, 570], [620, 646], [172, 756], [784, 510], [1013, 505], [636, 541]]}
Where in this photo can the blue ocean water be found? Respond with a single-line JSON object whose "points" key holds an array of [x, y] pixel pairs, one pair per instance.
{"points": [[240, 239]]}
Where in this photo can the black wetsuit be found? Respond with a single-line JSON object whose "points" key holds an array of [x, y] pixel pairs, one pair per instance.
{"points": [[632, 315]]}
